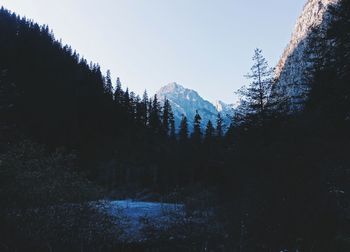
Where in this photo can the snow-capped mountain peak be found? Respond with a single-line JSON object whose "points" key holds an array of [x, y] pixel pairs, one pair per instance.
{"points": [[186, 102], [172, 88]]}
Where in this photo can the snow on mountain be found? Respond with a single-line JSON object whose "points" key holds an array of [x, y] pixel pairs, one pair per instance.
{"points": [[224, 108], [186, 102], [290, 69]]}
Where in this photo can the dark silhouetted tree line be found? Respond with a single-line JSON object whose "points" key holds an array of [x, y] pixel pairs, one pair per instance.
{"points": [[289, 173], [53, 96]]}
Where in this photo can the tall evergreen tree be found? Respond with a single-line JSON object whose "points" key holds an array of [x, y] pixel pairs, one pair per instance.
{"points": [[155, 115], [144, 109], [132, 106], [255, 98], [197, 133], [219, 126], [166, 117], [126, 104], [209, 132], [172, 124], [138, 110], [149, 109], [183, 132], [108, 87], [118, 93]]}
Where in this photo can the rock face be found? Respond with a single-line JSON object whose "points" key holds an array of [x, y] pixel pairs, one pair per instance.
{"points": [[186, 102], [226, 110], [290, 69]]}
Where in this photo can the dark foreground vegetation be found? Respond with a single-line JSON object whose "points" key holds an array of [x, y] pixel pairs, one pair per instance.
{"points": [[276, 180]]}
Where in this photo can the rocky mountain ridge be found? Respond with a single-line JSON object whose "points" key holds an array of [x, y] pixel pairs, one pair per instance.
{"points": [[186, 102], [290, 69]]}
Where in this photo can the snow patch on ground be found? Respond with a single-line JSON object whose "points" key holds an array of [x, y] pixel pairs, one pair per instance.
{"points": [[134, 211]]}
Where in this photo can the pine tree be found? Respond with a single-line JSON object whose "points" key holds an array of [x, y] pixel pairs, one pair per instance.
{"points": [[108, 87], [219, 129], [183, 132], [138, 110], [229, 135], [197, 134], [255, 98], [166, 117], [172, 124], [209, 132], [132, 105], [155, 115], [118, 93], [126, 98], [149, 109], [144, 109]]}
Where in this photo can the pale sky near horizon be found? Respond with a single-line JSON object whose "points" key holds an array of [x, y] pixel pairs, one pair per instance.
{"points": [[205, 45]]}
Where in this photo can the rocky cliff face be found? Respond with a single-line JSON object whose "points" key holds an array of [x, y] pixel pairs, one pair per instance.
{"points": [[227, 111], [290, 69]]}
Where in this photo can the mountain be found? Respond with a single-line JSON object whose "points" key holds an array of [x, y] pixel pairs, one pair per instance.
{"points": [[290, 70], [225, 109], [186, 102]]}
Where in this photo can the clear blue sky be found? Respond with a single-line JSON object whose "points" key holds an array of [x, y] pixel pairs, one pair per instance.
{"points": [[205, 45]]}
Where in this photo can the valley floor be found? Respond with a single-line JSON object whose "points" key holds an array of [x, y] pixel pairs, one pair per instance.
{"points": [[137, 214]]}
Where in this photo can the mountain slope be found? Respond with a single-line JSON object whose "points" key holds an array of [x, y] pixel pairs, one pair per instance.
{"points": [[186, 102], [290, 69], [225, 109]]}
